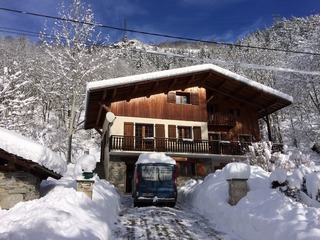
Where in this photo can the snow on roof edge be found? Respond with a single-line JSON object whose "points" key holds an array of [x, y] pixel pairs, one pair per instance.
{"points": [[28, 149], [112, 82]]}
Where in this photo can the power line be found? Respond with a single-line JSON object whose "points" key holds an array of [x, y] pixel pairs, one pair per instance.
{"points": [[159, 34], [232, 63]]}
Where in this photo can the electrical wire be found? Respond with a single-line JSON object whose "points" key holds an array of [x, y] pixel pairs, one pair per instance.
{"points": [[159, 34]]}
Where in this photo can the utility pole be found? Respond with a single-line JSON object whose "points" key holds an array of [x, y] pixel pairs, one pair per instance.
{"points": [[125, 36]]}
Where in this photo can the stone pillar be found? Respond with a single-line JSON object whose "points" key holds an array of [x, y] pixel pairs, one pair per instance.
{"points": [[238, 188], [85, 185]]}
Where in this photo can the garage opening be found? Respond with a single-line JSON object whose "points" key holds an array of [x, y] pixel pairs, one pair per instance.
{"points": [[129, 175]]}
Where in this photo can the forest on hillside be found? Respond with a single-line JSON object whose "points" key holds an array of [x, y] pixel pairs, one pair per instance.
{"points": [[42, 84]]}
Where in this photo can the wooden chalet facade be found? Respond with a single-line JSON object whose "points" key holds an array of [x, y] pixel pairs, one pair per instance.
{"points": [[203, 116]]}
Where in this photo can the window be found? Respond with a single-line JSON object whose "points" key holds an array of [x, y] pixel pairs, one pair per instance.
{"points": [[245, 138], [182, 98], [212, 108], [184, 132], [144, 130], [187, 169], [144, 137], [235, 112]]}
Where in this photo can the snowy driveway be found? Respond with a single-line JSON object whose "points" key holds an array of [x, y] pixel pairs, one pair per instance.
{"points": [[163, 223]]}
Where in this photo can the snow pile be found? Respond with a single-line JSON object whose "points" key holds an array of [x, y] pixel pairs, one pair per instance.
{"points": [[63, 213], [30, 150], [278, 175], [237, 171], [264, 213], [155, 157], [86, 163], [313, 184]]}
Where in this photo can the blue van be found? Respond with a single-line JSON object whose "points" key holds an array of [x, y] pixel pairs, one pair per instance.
{"points": [[155, 180]]}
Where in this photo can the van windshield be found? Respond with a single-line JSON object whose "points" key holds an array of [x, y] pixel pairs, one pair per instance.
{"points": [[156, 173]]}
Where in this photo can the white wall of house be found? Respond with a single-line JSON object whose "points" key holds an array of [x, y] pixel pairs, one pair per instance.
{"points": [[117, 127]]}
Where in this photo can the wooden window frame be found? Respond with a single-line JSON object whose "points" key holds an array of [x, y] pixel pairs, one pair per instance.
{"points": [[185, 132], [190, 98], [183, 98], [235, 112]]}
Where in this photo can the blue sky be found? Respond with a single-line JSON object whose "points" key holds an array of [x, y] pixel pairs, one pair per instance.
{"points": [[213, 20]]}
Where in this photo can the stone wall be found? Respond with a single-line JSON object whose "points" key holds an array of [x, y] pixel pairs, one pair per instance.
{"points": [[16, 187], [117, 173], [238, 188]]}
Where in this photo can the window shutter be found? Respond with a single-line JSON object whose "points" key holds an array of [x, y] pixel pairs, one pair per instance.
{"points": [[128, 139], [172, 131], [160, 131], [171, 97], [128, 128], [160, 137], [194, 98], [197, 133]]}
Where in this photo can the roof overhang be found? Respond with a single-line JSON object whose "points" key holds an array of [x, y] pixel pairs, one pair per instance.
{"points": [[16, 162], [100, 94]]}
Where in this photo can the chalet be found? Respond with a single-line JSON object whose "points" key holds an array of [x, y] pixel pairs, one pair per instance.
{"points": [[20, 170], [203, 116]]}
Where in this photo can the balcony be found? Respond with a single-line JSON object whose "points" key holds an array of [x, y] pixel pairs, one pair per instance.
{"points": [[221, 120], [173, 145]]}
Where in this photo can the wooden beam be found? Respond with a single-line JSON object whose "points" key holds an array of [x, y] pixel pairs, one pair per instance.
{"points": [[235, 97], [172, 84], [239, 90], [102, 106], [210, 98], [258, 95], [269, 128], [99, 115], [105, 107], [154, 87], [98, 130], [132, 94], [114, 93], [189, 82], [104, 95]]}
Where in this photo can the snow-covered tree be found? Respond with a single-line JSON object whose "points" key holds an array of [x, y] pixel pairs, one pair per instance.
{"points": [[73, 58]]}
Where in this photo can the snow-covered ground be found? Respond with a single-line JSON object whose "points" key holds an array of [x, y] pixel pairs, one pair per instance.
{"points": [[63, 213], [264, 213]]}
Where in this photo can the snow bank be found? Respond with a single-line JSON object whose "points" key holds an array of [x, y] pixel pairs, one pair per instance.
{"points": [[23, 147], [313, 184], [263, 213], [155, 157], [63, 213], [278, 175]]}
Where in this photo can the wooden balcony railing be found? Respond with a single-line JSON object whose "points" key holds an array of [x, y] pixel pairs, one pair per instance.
{"points": [[128, 143], [222, 119]]}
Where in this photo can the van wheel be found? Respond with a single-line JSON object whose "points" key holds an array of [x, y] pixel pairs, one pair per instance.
{"points": [[135, 203], [172, 205]]}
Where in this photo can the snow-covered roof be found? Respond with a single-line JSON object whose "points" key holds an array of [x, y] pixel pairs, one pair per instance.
{"points": [[182, 71], [264, 99], [28, 149]]}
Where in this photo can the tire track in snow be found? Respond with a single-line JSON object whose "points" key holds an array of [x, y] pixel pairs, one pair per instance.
{"points": [[163, 223]]}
